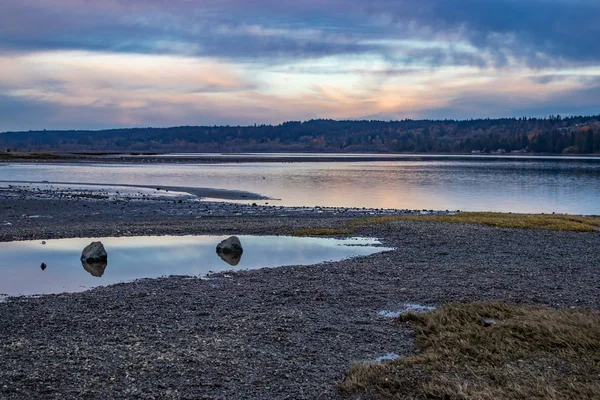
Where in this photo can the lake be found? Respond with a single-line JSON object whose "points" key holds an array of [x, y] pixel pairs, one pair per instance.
{"points": [[508, 184]]}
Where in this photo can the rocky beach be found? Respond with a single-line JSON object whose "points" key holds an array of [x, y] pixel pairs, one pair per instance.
{"points": [[279, 333]]}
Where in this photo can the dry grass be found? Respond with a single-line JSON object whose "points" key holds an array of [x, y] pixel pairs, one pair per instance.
{"points": [[558, 222], [531, 353], [321, 232]]}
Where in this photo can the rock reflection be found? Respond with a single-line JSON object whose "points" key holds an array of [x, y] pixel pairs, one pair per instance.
{"points": [[94, 259], [230, 250]]}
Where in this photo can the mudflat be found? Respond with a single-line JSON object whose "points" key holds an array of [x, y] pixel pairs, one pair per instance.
{"points": [[281, 333]]}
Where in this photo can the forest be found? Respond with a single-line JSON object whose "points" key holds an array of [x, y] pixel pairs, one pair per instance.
{"points": [[553, 135]]}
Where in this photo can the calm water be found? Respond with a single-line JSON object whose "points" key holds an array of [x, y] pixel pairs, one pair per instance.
{"points": [[133, 258], [477, 184]]}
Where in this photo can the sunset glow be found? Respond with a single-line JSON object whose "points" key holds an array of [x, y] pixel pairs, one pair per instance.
{"points": [[74, 64]]}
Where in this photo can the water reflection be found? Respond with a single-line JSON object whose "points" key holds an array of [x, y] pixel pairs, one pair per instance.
{"points": [[95, 268], [232, 259], [134, 258], [473, 184]]}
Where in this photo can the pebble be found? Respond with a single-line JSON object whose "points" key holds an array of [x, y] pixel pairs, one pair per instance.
{"points": [[489, 323]]}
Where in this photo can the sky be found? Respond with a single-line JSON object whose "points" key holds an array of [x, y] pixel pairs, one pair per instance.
{"points": [[83, 64]]}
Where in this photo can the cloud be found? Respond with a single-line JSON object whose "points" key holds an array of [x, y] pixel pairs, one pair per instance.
{"points": [[63, 72], [508, 97], [156, 62], [535, 33], [66, 90]]}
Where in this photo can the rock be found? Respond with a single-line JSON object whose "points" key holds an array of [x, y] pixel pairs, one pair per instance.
{"points": [[230, 245], [489, 323], [94, 259], [230, 250], [94, 252]]}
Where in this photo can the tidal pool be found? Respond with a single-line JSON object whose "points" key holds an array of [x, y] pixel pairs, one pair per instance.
{"points": [[131, 258]]}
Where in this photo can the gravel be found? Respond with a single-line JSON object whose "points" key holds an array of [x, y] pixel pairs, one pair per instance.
{"points": [[282, 333]]}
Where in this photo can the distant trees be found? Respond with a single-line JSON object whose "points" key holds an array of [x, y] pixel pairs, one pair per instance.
{"points": [[555, 135]]}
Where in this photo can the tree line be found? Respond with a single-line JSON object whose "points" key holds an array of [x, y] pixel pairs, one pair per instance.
{"points": [[540, 135]]}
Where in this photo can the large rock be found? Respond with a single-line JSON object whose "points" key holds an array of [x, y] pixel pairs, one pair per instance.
{"points": [[94, 259], [230, 245], [230, 250]]}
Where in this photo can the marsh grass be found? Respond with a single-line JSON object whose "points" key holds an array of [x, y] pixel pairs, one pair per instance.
{"points": [[321, 232], [558, 222], [531, 353]]}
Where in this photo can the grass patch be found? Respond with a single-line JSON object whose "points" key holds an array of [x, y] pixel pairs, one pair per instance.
{"points": [[557, 222], [531, 353], [321, 232]]}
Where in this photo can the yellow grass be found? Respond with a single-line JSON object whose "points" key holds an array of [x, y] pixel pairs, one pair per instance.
{"points": [[321, 232], [531, 353], [558, 222]]}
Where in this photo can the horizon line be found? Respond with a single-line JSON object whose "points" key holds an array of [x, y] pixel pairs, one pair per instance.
{"points": [[256, 125]]}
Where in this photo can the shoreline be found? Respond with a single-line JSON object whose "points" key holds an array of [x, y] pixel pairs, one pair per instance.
{"points": [[287, 332], [29, 213], [222, 194], [217, 158]]}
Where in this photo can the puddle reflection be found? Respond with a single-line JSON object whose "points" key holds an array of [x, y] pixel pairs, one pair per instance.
{"points": [[133, 258]]}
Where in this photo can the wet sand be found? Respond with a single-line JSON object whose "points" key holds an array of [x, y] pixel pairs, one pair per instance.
{"points": [[212, 158], [51, 188]]}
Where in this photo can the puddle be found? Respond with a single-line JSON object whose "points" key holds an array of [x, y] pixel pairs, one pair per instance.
{"points": [[387, 357], [131, 258], [405, 309]]}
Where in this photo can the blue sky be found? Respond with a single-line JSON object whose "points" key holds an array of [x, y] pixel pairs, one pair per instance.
{"points": [[79, 64]]}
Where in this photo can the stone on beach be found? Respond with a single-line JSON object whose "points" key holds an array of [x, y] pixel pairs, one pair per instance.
{"points": [[489, 323], [94, 259], [230, 245], [230, 250]]}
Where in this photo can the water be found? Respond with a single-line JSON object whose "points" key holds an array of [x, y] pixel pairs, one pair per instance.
{"points": [[507, 184], [131, 258], [405, 309]]}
